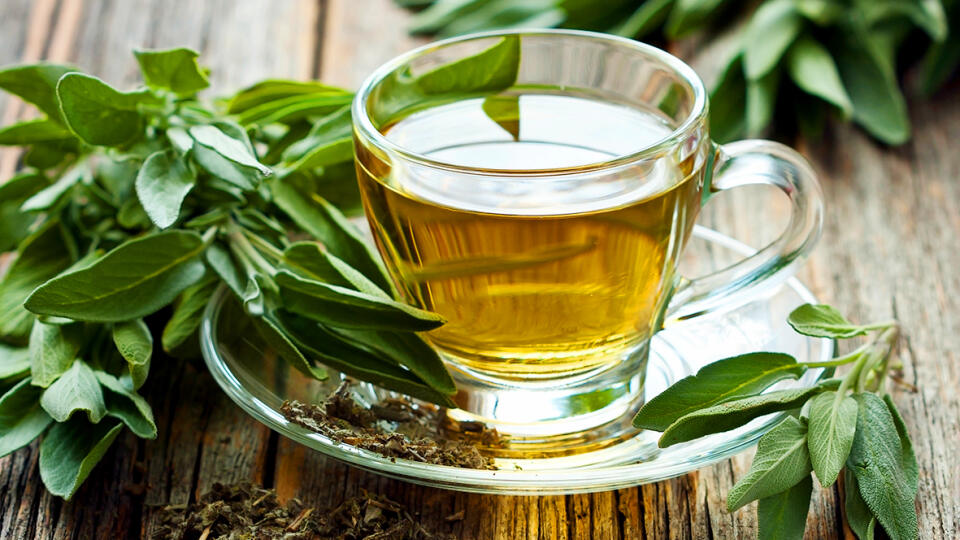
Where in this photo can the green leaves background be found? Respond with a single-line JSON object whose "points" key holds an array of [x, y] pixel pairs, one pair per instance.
{"points": [[146, 202], [795, 61]]}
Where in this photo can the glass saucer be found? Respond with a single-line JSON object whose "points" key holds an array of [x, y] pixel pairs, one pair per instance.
{"points": [[247, 371]]}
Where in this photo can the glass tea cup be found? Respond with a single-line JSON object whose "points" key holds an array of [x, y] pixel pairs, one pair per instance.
{"points": [[536, 189]]}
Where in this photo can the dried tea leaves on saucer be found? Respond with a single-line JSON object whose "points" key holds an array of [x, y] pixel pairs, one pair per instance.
{"points": [[248, 511], [397, 428]]}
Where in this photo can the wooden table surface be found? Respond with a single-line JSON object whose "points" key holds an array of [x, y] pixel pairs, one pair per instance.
{"points": [[891, 247]]}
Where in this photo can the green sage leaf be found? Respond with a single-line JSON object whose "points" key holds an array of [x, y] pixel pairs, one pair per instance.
{"points": [[14, 362], [176, 70], [761, 98], [833, 421], [877, 459], [812, 68], [53, 348], [34, 131], [21, 418], [71, 450], [188, 312], [861, 520], [908, 461], [783, 516], [327, 131], [131, 281], [134, 341], [325, 223], [878, 104], [689, 15], [781, 462], [734, 413], [127, 406], [99, 114], [647, 17], [272, 90], [295, 108], [340, 306], [162, 184], [76, 390], [286, 349], [824, 321], [734, 377], [728, 122], [236, 151], [55, 193], [36, 84], [14, 224], [222, 262], [771, 30]]}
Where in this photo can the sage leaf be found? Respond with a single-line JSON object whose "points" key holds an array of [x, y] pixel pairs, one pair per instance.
{"points": [[273, 90], [55, 193], [71, 450], [99, 114], [188, 312], [349, 308], [286, 349], [405, 349], [505, 111], [222, 262], [878, 104], [162, 184], [21, 417], [36, 84], [821, 12], [53, 348], [877, 459], [133, 341], [236, 151], [688, 15], [644, 19], [127, 406], [812, 68], [719, 381], [761, 98], [734, 413], [294, 108], [940, 62], [76, 390], [727, 122], [908, 461], [824, 321], [34, 131], [325, 223], [320, 146], [14, 362], [781, 462], [358, 363], [131, 281], [176, 70], [771, 30], [14, 224], [310, 260], [859, 517], [833, 421], [783, 516], [40, 256]]}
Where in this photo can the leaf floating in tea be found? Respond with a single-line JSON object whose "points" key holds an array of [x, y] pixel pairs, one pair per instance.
{"points": [[505, 111]]}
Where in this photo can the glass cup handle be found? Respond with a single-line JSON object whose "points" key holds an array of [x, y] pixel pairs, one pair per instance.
{"points": [[745, 163]]}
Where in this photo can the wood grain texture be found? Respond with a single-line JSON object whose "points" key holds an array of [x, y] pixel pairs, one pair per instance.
{"points": [[889, 248]]}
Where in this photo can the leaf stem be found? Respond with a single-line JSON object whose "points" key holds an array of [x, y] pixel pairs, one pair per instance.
{"points": [[840, 360], [246, 249], [266, 247]]}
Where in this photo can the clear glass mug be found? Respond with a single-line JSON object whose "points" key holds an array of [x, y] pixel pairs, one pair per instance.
{"points": [[536, 188]]}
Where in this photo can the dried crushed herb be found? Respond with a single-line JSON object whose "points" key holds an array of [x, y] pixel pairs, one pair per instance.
{"points": [[245, 511], [397, 428]]}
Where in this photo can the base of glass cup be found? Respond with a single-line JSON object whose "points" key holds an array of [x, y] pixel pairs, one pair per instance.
{"points": [[558, 416]]}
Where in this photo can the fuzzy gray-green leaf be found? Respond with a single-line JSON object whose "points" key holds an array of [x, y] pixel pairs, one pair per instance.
{"points": [[812, 68], [719, 381], [133, 280], [36, 83], [176, 70], [783, 516], [71, 450], [780, 463], [53, 348], [127, 406], [76, 390], [99, 114], [162, 184], [885, 473], [824, 321], [859, 517], [21, 417], [134, 341], [188, 312], [833, 422], [771, 30]]}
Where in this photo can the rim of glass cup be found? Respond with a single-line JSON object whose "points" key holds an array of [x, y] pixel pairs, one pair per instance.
{"points": [[364, 124]]}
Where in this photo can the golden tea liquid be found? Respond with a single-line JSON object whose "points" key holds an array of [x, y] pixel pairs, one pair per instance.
{"points": [[537, 276]]}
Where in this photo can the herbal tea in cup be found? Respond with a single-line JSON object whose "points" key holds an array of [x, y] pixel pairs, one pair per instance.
{"points": [[536, 189]]}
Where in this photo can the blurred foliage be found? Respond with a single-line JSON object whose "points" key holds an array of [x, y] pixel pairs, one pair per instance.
{"points": [[794, 61]]}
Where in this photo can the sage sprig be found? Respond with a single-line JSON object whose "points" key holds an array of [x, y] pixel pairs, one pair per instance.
{"points": [[130, 211], [794, 62], [840, 425]]}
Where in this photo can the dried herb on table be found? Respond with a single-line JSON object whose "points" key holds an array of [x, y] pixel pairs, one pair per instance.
{"points": [[247, 511], [396, 428]]}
